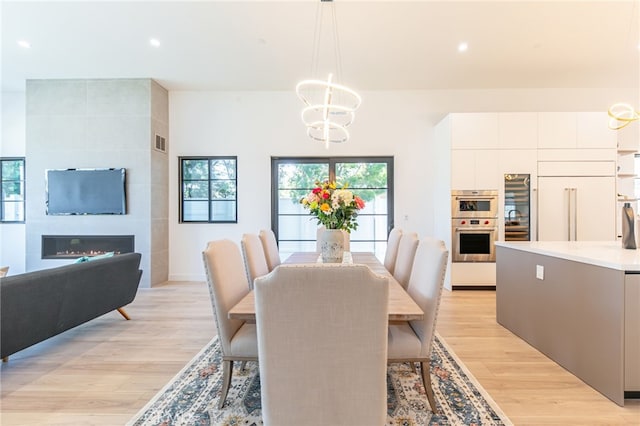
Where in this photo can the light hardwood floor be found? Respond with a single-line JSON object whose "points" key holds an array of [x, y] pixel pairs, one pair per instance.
{"points": [[103, 372]]}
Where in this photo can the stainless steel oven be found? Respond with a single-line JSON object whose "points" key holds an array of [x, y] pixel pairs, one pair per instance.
{"points": [[473, 240], [467, 203], [474, 225]]}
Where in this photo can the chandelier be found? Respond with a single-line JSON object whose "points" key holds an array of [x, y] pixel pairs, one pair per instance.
{"points": [[621, 115], [329, 106]]}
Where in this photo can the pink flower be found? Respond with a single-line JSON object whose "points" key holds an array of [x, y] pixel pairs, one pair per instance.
{"points": [[359, 202]]}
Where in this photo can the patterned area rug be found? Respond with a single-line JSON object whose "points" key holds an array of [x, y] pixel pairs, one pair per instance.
{"points": [[191, 397]]}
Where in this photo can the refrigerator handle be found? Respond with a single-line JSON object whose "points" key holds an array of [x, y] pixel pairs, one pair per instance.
{"points": [[568, 198], [575, 213], [535, 198]]}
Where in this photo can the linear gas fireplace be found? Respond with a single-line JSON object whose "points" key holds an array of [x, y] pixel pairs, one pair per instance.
{"points": [[74, 246]]}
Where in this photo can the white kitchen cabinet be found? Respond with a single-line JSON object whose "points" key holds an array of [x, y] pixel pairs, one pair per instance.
{"points": [[557, 130], [518, 130], [571, 130], [581, 208], [475, 169], [593, 131], [474, 131]]}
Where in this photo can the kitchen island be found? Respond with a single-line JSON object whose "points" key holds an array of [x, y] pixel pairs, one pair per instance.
{"points": [[578, 303]]}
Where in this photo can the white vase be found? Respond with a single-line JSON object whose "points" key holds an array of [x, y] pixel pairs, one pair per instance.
{"points": [[332, 246]]}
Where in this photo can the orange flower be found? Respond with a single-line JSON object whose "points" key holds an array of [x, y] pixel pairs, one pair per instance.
{"points": [[325, 207]]}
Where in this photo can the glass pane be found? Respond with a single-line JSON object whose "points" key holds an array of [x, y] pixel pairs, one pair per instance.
{"points": [[375, 200], [362, 175], [195, 211], [297, 228], [13, 191], [301, 175], [223, 211], [12, 212], [370, 228], [289, 247], [12, 169], [223, 190], [223, 169], [195, 190], [289, 201], [195, 169]]}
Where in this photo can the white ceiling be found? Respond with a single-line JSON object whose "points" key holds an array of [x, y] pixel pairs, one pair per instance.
{"points": [[266, 45]]}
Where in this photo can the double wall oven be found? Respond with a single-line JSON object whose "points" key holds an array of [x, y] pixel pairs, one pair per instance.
{"points": [[474, 225]]}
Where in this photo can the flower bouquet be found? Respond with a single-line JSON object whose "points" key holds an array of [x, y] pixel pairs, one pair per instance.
{"points": [[333, 205]]}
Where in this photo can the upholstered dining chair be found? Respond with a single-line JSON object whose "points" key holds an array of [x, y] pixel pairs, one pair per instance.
{"points": [[412, 341], [254, 259], [270, 247], [404, 259], [392, 249], [227, 282], [347, 239], [314, 322]]}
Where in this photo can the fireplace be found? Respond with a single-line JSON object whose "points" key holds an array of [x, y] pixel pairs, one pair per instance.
{"points": [[74, 246]]}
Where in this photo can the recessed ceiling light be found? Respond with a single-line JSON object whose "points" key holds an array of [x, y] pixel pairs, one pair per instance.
{"points": [[24, 44], [154, 42], [462, 47]]}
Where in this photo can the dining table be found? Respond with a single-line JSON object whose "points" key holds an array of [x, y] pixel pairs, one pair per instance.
{"points": [[401, 306]]}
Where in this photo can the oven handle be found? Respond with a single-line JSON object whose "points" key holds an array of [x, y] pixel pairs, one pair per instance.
{"points": [[476, 198], [491, 228]]}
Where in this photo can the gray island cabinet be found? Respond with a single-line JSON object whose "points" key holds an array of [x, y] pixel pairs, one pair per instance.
{"points": [[578, 303]]}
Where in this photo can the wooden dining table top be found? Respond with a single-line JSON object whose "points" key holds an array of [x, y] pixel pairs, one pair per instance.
{"points": [[401, 305]]}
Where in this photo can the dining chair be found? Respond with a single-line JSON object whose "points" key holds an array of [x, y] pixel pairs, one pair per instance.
{"points": [[404, 259], [227, 282], [412, 341], [315, 324], [392, 249], [254, 259], [347, 239], [4, 271], [270, 247]]}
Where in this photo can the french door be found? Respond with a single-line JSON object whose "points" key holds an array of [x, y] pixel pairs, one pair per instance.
{"points": [[371, 178]]}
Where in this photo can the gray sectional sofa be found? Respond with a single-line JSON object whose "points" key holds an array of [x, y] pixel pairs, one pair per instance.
{"points": [[40, 304]]}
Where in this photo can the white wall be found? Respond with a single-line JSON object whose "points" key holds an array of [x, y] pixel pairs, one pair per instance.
{"points": [[257, 125], [12, 144]]}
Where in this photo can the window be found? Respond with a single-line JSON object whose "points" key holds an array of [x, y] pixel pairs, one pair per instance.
{"points": [[208, 189], [371, 178], [12, 206]]}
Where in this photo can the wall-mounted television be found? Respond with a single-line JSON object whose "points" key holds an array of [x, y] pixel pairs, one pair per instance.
{"points": [[86, 191]]}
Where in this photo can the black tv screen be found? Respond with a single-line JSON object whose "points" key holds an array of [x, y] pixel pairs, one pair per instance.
{"points": [[86, 191]]}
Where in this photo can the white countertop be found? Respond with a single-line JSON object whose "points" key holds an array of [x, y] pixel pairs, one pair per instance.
{"points": [[608, 254]]}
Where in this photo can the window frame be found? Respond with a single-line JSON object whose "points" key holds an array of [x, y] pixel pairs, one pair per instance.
{"points": [[181, 202], [332, 161], [24, 189]]}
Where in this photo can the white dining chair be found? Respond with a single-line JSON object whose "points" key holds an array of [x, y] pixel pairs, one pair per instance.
{"points": [[392, 249], [254, 259], [227, 286], [322, 339], [347, 239], [411, 341], [270, 247], [404, 259]]}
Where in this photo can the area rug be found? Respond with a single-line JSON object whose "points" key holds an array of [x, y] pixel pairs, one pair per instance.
{"points": [[191, 398]]}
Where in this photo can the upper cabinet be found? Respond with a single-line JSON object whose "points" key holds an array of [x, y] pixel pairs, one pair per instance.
{"points": [[474, 131], [518, 130], [571, 130]]}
